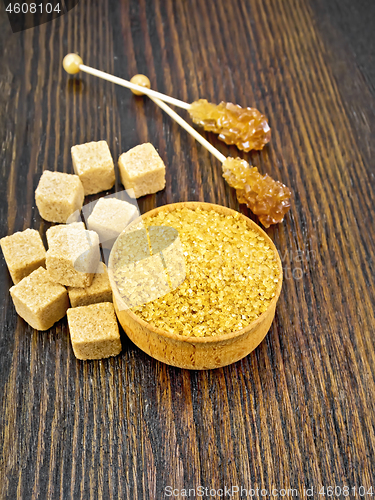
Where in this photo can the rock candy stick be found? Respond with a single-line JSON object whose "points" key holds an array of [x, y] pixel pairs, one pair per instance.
{"points": [[267, 198], [246, 128]]}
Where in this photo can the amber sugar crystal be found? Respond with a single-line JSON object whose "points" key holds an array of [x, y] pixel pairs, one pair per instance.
{"points": [[267, 198], [231, 275], [246, 128]]}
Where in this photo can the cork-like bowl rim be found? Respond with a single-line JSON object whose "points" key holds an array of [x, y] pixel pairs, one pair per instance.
{"points": [[212, 338]]}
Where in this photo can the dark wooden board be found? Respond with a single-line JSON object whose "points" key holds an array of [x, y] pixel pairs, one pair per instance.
{"points": [[299, 411]]}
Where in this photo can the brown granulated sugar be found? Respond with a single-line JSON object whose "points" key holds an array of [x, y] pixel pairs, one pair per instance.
{"points": [[231, 275]]}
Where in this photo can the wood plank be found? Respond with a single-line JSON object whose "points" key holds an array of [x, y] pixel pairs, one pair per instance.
{"points": [[297, 412]]}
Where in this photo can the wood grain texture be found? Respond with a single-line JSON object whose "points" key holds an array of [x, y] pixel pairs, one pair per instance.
{"points": [[297, 412]]}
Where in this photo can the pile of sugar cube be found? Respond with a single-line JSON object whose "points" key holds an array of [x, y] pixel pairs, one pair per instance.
{"points": [[69, 278]]}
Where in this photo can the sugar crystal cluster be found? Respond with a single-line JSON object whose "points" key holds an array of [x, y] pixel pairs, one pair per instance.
{"points": [[142, 169], [109, 218], [58, 196], [73, 256], [148, 263], [246, 128], [94, 331], [231, 275], [24, 252], [39, 301], [267, 198], [93, 163], [99, 291], [70, 271]]}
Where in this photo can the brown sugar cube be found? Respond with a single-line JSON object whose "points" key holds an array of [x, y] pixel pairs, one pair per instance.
{"points": [[73, 257], [39, 301], [55, 230], [99, 291], [94, 165], [94, 331], [109, 218], [58, 196], [142, 169], [24, 252]]}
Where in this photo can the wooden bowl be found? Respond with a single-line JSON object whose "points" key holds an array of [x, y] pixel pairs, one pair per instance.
{"points": [[196, 353]]}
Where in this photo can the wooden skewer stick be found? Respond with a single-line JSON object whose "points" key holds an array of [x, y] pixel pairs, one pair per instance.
{"points": [[73, 64], [253, 135], [139, 85], [144, 83], [189, 129], [276, 210]]}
